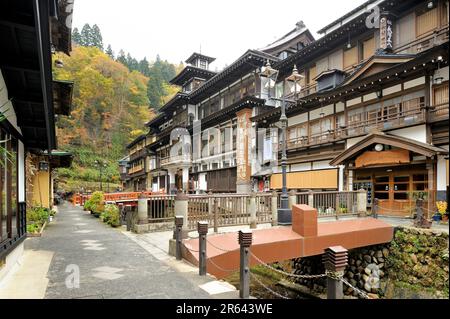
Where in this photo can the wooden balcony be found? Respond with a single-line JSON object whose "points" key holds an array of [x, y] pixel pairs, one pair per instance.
{"points": [[136, 169], [138, 154], [385, 122], [176, 160], [439, 112]]}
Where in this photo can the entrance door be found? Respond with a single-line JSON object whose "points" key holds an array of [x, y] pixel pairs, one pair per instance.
{"points": [[397, 191]]}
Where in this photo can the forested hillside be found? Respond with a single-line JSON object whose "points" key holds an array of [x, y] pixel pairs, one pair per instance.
{"points": [[113, 98]]}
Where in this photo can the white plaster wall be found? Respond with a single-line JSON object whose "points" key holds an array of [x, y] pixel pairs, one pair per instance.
{"points": [[341, 178], [369, 97], [441, 173], [340, 106], [442, 72], [315, 114], [413, 83], [353, 141], [322, 165], [301, 167], [417, 133], [298, 119], [202, 185], [354, 101], [392, 89]]}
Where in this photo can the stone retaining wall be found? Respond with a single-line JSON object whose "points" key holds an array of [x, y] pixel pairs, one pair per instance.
{"points": [[413, 265]]}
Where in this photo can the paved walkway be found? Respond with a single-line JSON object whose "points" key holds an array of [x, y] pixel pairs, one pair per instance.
{"points": [[111, 264]]}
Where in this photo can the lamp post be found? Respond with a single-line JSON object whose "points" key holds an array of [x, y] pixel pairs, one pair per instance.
{"points": [[284, 213], [101, 165]]}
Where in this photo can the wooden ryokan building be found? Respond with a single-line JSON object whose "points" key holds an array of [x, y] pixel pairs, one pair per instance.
{"points": [[372, 112]]}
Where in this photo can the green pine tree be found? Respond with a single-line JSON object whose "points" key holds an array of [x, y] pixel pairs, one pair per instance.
{"points": [[109, 51], [86, 36], [76, 36], [144, 67], [121, 58], [96, 36]]}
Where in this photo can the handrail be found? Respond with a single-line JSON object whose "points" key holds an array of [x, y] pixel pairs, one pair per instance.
{"points": [[337, 134]]}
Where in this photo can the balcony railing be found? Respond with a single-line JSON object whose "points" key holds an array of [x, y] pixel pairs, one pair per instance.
{"points": [[425, 42], [389, 121], [138, 154], [136, 169], [439, 112], [176, 159]]}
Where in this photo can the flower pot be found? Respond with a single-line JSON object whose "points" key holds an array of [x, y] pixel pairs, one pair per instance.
{"points": [[437, 217]]}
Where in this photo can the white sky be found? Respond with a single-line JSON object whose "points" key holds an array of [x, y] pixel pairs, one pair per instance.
{"points": [[224, 29]]}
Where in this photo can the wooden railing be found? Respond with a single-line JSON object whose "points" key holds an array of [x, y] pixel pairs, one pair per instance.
{"points": [[161, 208], [331, 204], [136, 169], [385, 122], [439, 112], [218, 210], [425, 41], [117, 197], [263, 208], [227, 209], [175, 159]]}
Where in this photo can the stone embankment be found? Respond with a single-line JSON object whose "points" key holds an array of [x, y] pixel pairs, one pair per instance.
{"points": [[413, 265]]}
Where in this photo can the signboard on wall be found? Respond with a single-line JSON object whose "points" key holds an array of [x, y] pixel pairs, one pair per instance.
{"points": [[386, 34], [243, 131], [390, 157]]}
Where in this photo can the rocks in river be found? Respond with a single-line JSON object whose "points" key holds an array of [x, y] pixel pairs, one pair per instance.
{"points": [[379, 254], [367, 258], [385, 252]]}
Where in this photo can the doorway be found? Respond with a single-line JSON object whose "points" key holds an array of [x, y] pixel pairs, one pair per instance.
{"points": [[396, 189]]}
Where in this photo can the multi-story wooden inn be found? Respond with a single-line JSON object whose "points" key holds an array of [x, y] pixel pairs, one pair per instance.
{"points": [[222, 103], [372, 112], [373, 109]]}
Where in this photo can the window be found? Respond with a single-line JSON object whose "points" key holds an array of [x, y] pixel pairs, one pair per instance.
{"points": [[441, 95], [203, 64], [9, 220]]}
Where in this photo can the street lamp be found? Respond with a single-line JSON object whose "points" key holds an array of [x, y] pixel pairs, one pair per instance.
{"points": [[284, 213], [100, 166]]}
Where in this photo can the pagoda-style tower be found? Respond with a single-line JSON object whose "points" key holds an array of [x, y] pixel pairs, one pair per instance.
{"points": [[195, 73]]}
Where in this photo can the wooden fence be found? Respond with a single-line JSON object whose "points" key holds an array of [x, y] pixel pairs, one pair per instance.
{"points": [[227, 209]]}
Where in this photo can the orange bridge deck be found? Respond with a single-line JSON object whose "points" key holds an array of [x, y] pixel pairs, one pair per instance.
{"points": [[306, 237]]}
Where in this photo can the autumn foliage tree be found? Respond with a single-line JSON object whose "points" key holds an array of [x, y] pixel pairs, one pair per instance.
{"points": [[110, 107]]}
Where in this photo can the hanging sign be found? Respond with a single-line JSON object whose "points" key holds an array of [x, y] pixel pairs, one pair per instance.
{"points": [[386, 34]]}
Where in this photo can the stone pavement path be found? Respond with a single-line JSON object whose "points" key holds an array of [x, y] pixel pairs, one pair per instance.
{"points": [[111, 265]]}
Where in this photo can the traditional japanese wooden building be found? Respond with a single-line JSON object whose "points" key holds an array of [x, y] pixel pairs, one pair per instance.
{"points": [[30, 31], [211, 117], [373, 109]]}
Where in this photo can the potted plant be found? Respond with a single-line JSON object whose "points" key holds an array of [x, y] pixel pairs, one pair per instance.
{"points": [[442, 210], [342, 208], [437, 217]]}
